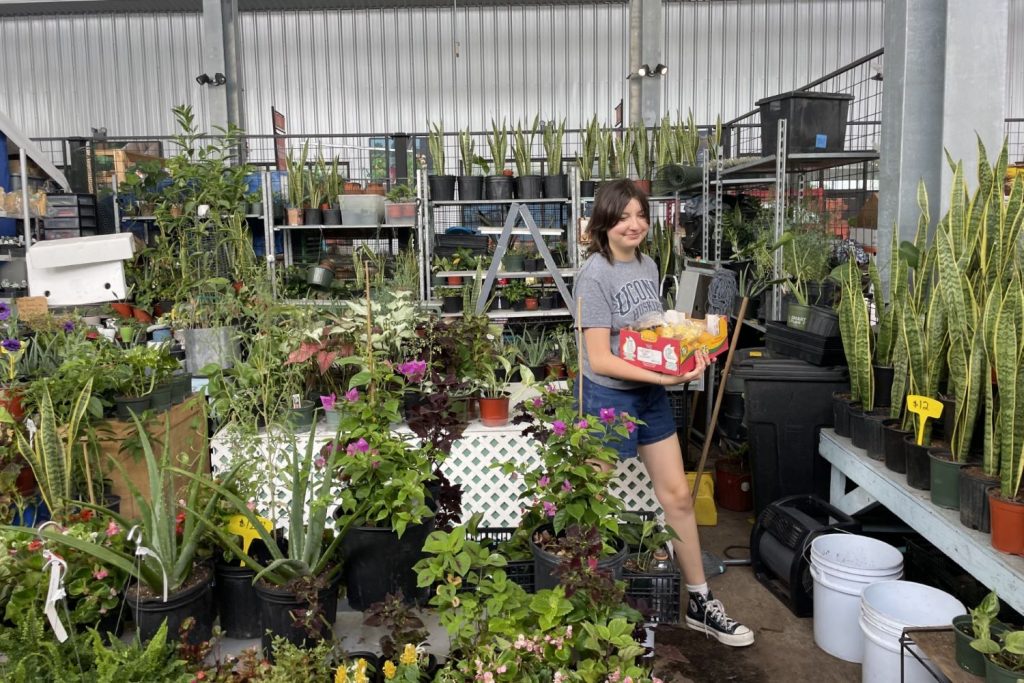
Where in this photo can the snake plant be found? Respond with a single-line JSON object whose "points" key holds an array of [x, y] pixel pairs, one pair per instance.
{"points": [[296, 167], [522, 146], [1008, 338], [435, 144], [607, 163], [588, 149], [497, 141], [553, 146], [665, 145], [855, 329], [641, 151]]}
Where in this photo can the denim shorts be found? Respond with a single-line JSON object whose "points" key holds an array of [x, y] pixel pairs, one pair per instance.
{"points": [[647, 403]]}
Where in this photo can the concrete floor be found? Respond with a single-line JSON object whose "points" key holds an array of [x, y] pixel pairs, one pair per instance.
{"points": [[784, 649]]}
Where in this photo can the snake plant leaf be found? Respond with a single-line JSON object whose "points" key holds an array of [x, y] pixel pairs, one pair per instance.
{"points": [[1006, 349]]}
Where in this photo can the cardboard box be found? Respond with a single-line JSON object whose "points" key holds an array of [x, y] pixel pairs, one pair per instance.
{"points": [[667, 355]]}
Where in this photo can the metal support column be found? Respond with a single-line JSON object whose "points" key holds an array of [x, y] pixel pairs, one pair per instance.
{"points": [[780, 216]]}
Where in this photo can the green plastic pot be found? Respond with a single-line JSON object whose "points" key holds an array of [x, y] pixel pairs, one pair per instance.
{"points": [[967, 657], [945, 478], [797, 315], [997, 674]]}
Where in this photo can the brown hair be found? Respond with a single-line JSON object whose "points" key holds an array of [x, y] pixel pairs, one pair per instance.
{"points": [[609, 203]]}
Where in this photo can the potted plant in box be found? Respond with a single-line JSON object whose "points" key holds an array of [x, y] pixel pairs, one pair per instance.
{"points": [[528, 185], [400, 207], [442, 186], [499, 185]]}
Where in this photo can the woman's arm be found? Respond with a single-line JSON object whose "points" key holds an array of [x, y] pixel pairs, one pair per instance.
{"points": [[604, 362]]}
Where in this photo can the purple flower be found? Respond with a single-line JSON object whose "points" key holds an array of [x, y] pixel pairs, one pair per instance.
{"points": [[566, 486], [537, 401], [328, 401], [358, 447], [69, 326], [413, 370], [319, 461], [583, 424], [558, 427], [549, 508], [375, 464], [5, 311], [630, 426], [607, 415], [11, 345], [352, 395], [543, 481]]}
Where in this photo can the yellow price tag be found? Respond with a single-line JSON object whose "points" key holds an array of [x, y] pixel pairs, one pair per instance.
{"points": [[240, 526], [924, 408]]}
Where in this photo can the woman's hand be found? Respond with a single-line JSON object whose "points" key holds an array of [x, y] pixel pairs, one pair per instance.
{"points": [[701, 358]]}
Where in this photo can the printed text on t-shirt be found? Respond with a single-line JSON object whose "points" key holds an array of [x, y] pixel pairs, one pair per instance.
{"points": [[637, 297]]}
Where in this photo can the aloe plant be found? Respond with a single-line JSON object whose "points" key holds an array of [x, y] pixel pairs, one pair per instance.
{"points": [[641, 151], [174, 552], [51, 454], [497, 141], [553, 146], [435, 144], [522, 146], [588, 149]]}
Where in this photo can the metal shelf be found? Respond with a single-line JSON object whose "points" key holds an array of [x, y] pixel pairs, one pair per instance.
{"points": [[546, 232], [367, 226], [150, 219], [795, 163], [565, 272], [503, 315], [472, 202]]}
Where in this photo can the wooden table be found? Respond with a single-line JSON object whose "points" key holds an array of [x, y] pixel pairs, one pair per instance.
{"points": [[938, 645]]}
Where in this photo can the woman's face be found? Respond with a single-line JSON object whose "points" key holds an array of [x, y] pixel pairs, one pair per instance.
{"points": [[630, 231]]}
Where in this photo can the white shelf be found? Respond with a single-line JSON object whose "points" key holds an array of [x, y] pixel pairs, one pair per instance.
{"points": [[546, 232], [971, 549]]}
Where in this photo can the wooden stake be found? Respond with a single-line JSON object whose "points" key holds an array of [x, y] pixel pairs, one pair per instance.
{"points": [[718, 398], [369, 330], [579, 351]]}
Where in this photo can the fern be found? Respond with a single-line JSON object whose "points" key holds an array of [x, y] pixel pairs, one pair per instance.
{"points": [[121, 663]]}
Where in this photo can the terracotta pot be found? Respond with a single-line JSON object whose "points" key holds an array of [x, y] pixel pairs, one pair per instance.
{"points": [[122, 309], [353, 188], [494, 411], [1007, 519], [10, 398], [643, 185], [238, 286], [375, 188], [532, 303], [26, 481], [454, 280], [294, 216], [142, 315]]}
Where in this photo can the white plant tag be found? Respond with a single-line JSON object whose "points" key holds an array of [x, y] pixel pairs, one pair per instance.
{"points": [[296, 401], [54, 593]]}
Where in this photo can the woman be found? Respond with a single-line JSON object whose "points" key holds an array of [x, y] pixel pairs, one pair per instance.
{"points": [[618, 286]]}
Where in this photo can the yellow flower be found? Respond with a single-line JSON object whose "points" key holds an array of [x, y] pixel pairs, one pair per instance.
{"points": [[408, 654], [361, 671], [389, 669], [341, 675]]}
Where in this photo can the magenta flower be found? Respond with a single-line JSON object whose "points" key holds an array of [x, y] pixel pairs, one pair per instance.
{"points": [[549, 508], [566, 486], [558, 427], [113, 529], [358, 447], [100, 575], [607, 415], [583, 424], [630, 426], [537, 401], [413, 370], [375, 464], [319, 461], [543, 481], [352, 395], [328, 401]]}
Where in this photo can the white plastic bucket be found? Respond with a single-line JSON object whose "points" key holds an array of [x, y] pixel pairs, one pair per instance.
{"points": [[887, 607], [842, 565]]}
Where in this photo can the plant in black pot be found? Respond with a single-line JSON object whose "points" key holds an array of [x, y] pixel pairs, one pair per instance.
{"points": [[528, 185], [451, 298], [1004, 655], [979, 626], [556, 183], [442, 186], [169, 582], [805, 257], [591, 138], [471, 186], [500, 184], [855, 329]]}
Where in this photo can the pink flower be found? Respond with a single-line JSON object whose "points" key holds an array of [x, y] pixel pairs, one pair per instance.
{"points": [[413, 370], [566, 486], [358, 447], [558, 427], [630, 426], [375, 464], [607, 415], [319, 461], [352, 395], [537, 401], [543, 481], [100, 575], [550, 508], [328, 401], [251, 504], [113, 529], [583, 424]]}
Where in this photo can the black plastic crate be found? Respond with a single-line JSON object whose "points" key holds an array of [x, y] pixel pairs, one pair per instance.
{"points": [[815, 121], [76, 211], [657, 595], [62, 199], [69, 223], [65, 233], [517, 571], [806, 346], [447, 244]]}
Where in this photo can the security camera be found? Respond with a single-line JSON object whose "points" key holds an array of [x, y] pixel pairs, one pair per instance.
{"points": [[219, 79], [203, 79]]}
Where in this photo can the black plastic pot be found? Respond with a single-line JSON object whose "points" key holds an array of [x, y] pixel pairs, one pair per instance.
{"points": [[547, 302], [588, 188], [893, 446], [451, 304], [875, 446], [752, 307], [238, 605], [942, 427], [276, 614], [126, 405], [821, 293], [332, 216], [471, 188], [500, 303], [442, 187], [498, 187], [556, 186], [160, 397], [181, 387], [858, 432], [378, 562], [841, 413], [823, 321], [974, 510], [883, 385], [313, 217], [300, 418], [544, 563], [196, 601], [919, 466], [530, 187]]}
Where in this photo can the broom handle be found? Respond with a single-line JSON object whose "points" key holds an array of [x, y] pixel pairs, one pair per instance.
{"points": [[718, 398]]}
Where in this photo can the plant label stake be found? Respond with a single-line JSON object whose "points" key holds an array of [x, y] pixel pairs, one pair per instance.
{"points": [[924, 408], [55, 592], [240, 526], [135, 534]]}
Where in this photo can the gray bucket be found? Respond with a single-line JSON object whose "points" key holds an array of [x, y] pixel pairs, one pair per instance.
{"points": [[203, 346]]}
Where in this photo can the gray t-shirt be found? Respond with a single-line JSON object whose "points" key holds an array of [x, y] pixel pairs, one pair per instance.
{"points": [[615, 296]]}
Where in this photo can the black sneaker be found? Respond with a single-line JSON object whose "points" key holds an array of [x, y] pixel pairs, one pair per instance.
{"points": [[704, 613]]}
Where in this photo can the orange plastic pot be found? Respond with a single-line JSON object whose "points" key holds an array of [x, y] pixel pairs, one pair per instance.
{"points": [[494, 411], [1007, 519], [10, 398], [142, 315], [122, 309]]}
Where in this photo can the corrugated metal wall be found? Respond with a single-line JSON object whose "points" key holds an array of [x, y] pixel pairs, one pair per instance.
{"points": [[389, 70]]}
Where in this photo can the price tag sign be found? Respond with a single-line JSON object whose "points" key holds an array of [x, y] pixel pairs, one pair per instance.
{"points": [[924, 408], [240, 526]]}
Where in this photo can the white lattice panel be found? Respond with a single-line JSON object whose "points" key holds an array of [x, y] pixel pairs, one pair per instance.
{"points": [[485, 489]]}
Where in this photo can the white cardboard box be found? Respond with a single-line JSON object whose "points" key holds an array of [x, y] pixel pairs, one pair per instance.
{"points": [[79, 270]]}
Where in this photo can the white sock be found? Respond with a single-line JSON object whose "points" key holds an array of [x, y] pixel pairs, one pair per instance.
{"points": [[700, 588]]}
